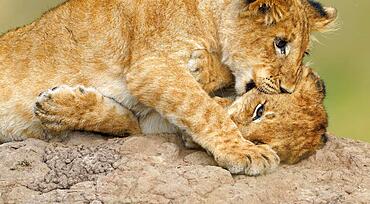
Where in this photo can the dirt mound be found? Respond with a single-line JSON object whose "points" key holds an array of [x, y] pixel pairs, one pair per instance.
{"points": [[158, 169]]}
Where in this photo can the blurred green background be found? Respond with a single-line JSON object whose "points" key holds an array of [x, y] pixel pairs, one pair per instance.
{"points": [[342, 58]]}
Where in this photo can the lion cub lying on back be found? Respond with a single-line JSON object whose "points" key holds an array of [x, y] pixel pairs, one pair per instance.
{"points": [[294, 125]]}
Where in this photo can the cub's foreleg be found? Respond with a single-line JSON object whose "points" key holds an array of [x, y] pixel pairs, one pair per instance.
{"points": [[67, 108], [170, 89], [187, 139]]}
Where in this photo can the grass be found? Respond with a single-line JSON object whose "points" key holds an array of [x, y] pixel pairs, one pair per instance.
{"points": [[342, 60]]}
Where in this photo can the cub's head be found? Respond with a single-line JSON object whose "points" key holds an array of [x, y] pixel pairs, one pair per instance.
{"points": [[264, 41], [294, 125]]}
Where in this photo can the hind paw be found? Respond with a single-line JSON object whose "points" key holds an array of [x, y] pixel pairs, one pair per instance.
{"points": [[61, 108]]}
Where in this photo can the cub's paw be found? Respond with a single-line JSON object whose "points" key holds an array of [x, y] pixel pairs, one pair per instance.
{"points": [[252, 160], [61, 108], [197, 64]]}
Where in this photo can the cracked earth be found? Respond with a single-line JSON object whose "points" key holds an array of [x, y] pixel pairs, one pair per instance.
{"points": [[88, 168]]}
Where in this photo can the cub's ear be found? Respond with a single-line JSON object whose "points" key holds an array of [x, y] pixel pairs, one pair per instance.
{"points": [[320, 86], [321, 18], [311, 87], [266, 11]]}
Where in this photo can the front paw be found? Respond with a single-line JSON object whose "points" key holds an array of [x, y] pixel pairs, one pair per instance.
{"points": [[248, 159]]}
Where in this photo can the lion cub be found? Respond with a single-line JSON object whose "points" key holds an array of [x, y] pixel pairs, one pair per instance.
{"points": [[294, 125], [136, 53]]}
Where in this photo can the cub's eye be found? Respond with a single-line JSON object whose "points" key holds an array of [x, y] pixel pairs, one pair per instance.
{"points": [[281, 46], [258, 111], [280, 43]]}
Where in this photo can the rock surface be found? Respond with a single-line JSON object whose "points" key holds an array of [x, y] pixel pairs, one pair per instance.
{"points": [[158, 169]]}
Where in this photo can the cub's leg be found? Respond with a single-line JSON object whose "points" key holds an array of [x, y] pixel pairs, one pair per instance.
{"points": [[170, 89], [187, 139], [208, 71], [78, 108]]}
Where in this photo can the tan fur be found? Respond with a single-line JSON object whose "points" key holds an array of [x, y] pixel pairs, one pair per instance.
{"points": [[64, 109], [137, 53], [293, 124], [285, 19]]}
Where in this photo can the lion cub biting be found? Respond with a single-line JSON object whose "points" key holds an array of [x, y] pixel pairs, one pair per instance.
{"points": [[137, 52]]}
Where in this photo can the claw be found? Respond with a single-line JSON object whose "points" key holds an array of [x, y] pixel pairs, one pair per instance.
{"points": [[81, 90]]}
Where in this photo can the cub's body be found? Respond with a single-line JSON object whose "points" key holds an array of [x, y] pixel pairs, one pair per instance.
{"points": [[85, 43]]}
